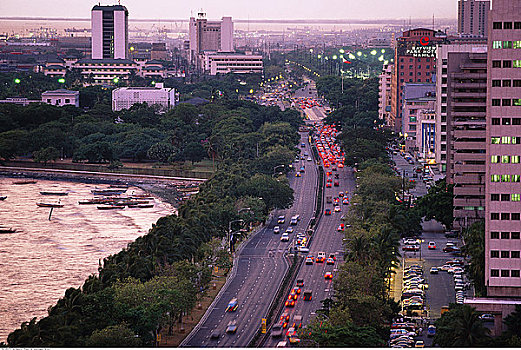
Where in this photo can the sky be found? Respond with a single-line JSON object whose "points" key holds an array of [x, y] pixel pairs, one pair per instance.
{"points": [[240, 9]]}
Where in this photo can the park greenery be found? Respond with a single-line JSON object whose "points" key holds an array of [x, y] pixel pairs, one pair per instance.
{"points": [[156, 281]]}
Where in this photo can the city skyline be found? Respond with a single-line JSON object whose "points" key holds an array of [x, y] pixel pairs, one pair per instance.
{"points": [[290, 9]]}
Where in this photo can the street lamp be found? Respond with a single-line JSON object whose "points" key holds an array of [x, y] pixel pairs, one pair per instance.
{"points": [[230, 232], [278, 166]]}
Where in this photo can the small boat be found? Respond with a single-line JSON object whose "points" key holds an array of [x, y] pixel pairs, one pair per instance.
{"points": [[7, 230], [142, 197], [3, 198], [118, 186], [145, 205], [24, 182], [50, 205], [108, 192], [54, 193], [109, 207]]}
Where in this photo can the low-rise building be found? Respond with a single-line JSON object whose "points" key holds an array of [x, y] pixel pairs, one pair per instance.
{"points": [[61, 97], [126, 97], [105, 71], [224, 63]]}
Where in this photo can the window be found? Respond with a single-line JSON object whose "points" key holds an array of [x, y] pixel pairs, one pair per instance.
{"points": [[515, 235], [506, 140], [494, 273], [505, 178], [494, 216], [496, 83], [516, 63], [505, 235], [507, 44], [515, 216], [505, 121], [507, 25], [494, 197], [516, 121], [515, 197], [514, 273], [514, 159], [496, 102], [516, 83], [516, 102], [494, 140], [506, 83], [517, 25], [494, 235], [515, 139], [495, 178], [505, 216], [514, 254], [494, 253], [505, 159], [505, 273], [506, 102], [516, 44], [505, 254], [505, 197], [496, 44], [496, 64], [494, 159], [515, 178], [507, 64], [497, 25]]}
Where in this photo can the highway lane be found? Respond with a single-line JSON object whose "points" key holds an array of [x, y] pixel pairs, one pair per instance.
{"points": [[326, 239], [260, 270]]}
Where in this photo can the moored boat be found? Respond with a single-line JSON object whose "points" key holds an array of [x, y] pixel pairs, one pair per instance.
{"points": [[145, 205], [7, 230], [109, 207], [3, 198], [50, 205], [54, 193], [24, 182], [108, 192]]}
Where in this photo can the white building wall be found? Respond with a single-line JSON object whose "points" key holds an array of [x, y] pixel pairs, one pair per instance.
{"points": [[120, 35], [97, 34], [227, 35], [124, 98]]}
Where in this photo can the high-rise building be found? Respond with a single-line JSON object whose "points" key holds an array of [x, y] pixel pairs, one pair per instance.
{"points": [[503, 139], [109, 28], [414, 62], [384, 93], [472, 17], [207, 35]]}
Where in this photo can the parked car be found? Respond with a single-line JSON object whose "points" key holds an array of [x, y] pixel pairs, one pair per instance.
{"points": [[431, 330], [434, 270]]}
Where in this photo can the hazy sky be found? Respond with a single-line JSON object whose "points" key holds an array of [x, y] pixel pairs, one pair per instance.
{"points": [[254, 9]]}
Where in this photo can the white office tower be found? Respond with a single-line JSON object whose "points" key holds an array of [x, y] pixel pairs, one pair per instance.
{"points": [[109, 32]]}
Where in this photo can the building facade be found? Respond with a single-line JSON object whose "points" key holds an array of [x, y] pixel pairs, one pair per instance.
{"points": [[124, 98], [418, 100], [204, 35], [414, 62], [473, 17], [221, 63], [503, 139], [384, 93], [61, 97], [109, 29]]}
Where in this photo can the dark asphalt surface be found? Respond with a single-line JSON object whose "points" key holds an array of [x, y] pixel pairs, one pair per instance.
{"points": [[260, 270]]}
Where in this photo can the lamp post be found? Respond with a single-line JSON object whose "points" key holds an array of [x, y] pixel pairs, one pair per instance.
{"points": [[278, 166], [230, 235]]}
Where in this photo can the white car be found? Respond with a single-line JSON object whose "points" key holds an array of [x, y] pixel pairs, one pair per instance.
{"points": [[284, 237], [309, 159], [276, 229]]}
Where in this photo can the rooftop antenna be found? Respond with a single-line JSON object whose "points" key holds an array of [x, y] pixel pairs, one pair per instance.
{"points": [[433, 22]]}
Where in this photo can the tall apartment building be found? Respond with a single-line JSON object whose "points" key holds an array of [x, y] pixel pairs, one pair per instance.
{"points": [[503, 167], [384, 93], [472, 17], [109, 32], [207, 35], [414, 62], [466, 133]]}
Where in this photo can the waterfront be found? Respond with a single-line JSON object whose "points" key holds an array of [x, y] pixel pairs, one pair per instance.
{"points": [[44, 258]]}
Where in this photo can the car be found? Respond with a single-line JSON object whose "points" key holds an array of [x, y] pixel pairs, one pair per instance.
{"points": [[332, 256], [309, 261], [284, 319], [298, 175], [302, 145], [345, 201], [445, 267], [276, 330], [309, 159], [231, 327], [487, 317], [411, 248], [340, 227], [296, 290], [337, 209], [308, 295], [302, 169], [431, 331], [300, 283], [291, 332], [276, 229], [290, 302], [297, 322], [336, 183], [341, 194], [451, 234], [432, 245], [284, 237], [294, 339], [337, 176], [419, 344], [282, 344], [330, 261], [321, 257], [434, 270], [232, 305], [327, 212], [329, 179], [303, 249], [328, 185], [289, 229], [215, 335], [328, 275], [281, 219]]}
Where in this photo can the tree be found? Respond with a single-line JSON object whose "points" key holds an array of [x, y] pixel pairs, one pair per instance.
{"points": [[438, 203], [46, 154], [114, 337], [474, 248], [160, 151], [194, 152], [513, 323], [325, 335], [461, 327], [12, 143]]}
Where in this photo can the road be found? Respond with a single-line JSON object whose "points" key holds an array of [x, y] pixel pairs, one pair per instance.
{"points": [[420, 189], [326, 239], [261, 268]]}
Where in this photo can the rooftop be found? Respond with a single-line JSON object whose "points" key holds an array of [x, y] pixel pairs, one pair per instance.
{"points": [[61, 92]]}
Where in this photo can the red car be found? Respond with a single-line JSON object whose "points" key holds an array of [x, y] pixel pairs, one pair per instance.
{"points": [[340, 227], [327, 212], [328, 275], [290, 302]]}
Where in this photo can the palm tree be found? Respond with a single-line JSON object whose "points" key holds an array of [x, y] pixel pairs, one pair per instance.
{"points": [[469, 329]]}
